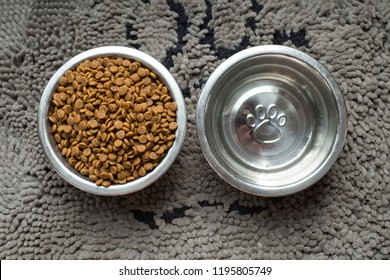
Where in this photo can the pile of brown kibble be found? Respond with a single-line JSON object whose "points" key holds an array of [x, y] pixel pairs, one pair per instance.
{"points": [[113, 119]]}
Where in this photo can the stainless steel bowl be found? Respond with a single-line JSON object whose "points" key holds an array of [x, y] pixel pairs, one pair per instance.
{"points": [[271, 120], [64, 169]]}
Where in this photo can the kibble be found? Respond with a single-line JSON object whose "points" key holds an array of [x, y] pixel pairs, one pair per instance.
{"points": [[118, 124], [113, 119], [120, 134], [118, 143], [79, 104]]}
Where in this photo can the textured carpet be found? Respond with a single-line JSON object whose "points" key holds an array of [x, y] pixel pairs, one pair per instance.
{"points": [[190, 213]]}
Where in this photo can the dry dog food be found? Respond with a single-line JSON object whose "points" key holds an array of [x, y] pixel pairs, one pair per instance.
{"points": [[113, 119]]}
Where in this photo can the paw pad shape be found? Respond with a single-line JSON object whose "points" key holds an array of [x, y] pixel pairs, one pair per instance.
{"points": [[266, 123]]}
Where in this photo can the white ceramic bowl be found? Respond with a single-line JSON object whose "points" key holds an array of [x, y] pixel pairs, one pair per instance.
{"points": [[60, 164]]}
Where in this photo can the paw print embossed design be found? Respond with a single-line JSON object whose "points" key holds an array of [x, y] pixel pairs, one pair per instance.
{"points": [[266, 123]]}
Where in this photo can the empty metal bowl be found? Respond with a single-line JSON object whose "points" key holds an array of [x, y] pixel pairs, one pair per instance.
{"points": [[60, 164], [271, 120]]}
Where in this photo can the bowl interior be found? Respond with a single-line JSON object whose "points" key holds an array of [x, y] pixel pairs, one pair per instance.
{"points": [[59, 162], [274, 121]]}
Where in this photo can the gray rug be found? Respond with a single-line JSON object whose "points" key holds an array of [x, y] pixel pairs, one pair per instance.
{"points": [[190, 213]]}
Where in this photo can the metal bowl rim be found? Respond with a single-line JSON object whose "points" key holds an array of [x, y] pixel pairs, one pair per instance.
{"points": [[74, 177], [259, 189]]}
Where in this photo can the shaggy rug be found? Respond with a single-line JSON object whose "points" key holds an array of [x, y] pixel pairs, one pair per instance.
{"points": [[190, 213]]}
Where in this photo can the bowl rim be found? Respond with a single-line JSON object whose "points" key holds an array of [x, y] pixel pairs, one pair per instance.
{"points": [[249, 187], [74, 177]]}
